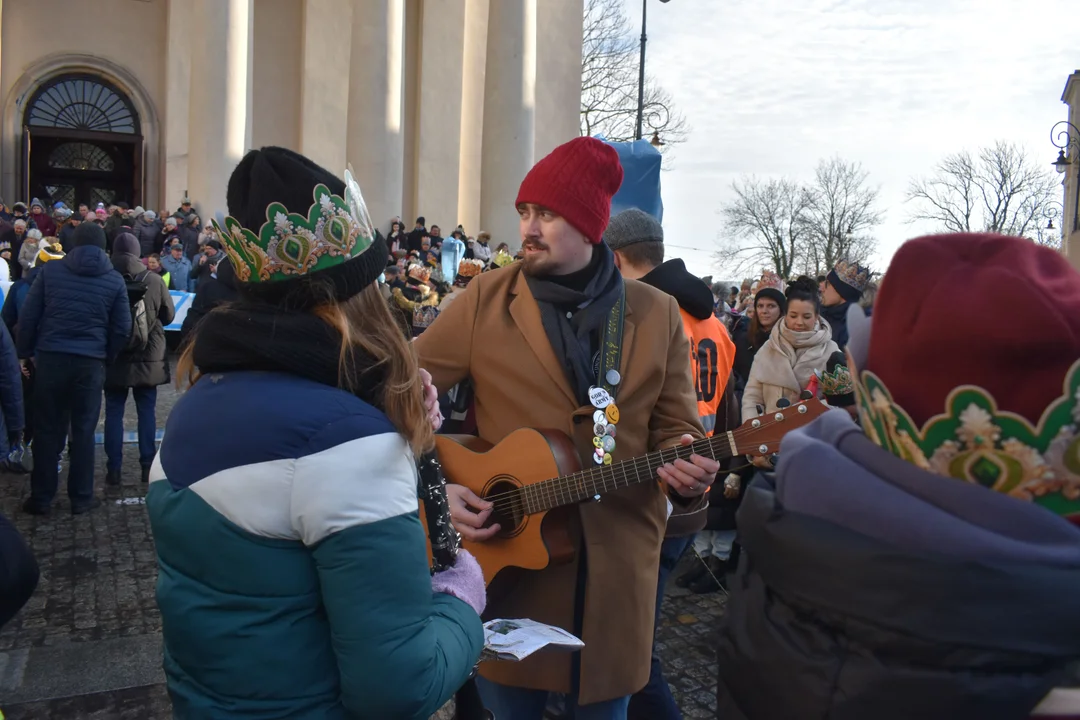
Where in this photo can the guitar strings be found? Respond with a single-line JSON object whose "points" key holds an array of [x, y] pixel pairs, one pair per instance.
{"points": [[513, 502], [516, 497]]}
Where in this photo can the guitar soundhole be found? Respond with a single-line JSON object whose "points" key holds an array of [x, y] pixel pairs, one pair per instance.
{"points": [[509, 511]]}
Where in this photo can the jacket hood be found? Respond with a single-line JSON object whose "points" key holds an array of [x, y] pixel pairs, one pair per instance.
{"points": [[127, 264], [88, 260], [692, 294], [907, 549], [225, 273]]}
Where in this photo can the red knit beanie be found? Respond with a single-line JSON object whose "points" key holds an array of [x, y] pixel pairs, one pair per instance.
{"points": [[577, 181], [997, 312]]}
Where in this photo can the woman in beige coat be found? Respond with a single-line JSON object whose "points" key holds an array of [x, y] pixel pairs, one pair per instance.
{"points": [[798, 346]]}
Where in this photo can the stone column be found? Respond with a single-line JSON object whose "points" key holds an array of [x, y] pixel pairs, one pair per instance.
{"points": [[324, 105], [1070, 240], [558, 73], [442, 47], [472, 114], [376, 133], [219, 120], [509, 115], [177, 114]]}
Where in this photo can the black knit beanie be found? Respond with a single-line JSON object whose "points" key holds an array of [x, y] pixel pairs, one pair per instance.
{"points": [[773, 294], [89, 234], [274, 174]]}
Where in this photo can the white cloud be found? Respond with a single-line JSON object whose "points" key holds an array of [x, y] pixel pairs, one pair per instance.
{"points": [[771, 86]]}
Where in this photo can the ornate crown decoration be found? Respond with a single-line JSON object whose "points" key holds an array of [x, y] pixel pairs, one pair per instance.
{"points": [[975, 442], [769, 279], [837, 382], [289, 244], [419, 272], [853, 274]]}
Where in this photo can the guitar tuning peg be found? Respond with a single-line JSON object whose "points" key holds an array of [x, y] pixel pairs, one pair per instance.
{"points": [[760, 409], [806, 395], [774, 459], [783, 403]]}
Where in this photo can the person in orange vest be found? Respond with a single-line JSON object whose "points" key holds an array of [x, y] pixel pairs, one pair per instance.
{"points": [[637, 239]]}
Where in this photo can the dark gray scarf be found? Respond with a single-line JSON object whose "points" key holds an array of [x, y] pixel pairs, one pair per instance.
{"points": [[576, 339]]}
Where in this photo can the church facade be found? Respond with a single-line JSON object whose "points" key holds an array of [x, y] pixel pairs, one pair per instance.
{"points": [[440, 106]]}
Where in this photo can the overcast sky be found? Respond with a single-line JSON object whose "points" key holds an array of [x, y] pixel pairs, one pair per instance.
{"points": [[771, 86]]}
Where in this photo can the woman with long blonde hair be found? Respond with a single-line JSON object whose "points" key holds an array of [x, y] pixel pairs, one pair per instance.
{"points": [[293, 574]]}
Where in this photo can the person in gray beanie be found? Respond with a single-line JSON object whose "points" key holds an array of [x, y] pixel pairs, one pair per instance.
{"points": [[637, 238]]}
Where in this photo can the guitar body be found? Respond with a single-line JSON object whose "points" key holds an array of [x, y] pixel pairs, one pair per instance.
{"points": [[523, 458]]}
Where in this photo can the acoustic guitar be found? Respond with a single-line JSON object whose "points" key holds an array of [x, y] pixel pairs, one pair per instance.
{"points": [[531, 472]]}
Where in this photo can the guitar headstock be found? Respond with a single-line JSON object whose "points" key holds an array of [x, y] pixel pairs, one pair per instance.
{"points": [[762, 435]]}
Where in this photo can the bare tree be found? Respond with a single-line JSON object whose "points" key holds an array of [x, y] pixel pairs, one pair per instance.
{"points": [[840, 213], [1001, 189], [765, 226], [609, 81]]}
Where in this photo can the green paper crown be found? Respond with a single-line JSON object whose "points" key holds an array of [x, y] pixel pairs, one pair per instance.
{"points": [[288, 245], [838, 382], [975, 442]]}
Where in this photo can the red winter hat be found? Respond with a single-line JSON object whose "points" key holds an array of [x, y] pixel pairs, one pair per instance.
{"points": [[577, 180], [1001, 313]]}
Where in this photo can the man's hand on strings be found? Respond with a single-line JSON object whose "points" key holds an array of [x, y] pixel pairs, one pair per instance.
{"points": [[689, 478], [469, 512]]}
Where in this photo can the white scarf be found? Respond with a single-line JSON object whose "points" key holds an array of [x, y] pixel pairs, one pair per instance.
{"points": [[790, 358]]}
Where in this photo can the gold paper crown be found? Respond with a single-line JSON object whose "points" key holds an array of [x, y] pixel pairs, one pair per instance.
{"points": [[837, 382], [334, 231], [419, 272], [853, 274], [976, 442]]}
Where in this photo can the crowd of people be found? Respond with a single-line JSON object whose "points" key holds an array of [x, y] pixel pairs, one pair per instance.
{"points": [[910, 553]]}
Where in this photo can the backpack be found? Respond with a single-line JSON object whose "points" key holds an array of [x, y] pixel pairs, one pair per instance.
{"points": [[140, 322]]}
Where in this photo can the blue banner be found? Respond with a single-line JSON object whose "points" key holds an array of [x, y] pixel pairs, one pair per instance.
{"points": [[641, 179]]}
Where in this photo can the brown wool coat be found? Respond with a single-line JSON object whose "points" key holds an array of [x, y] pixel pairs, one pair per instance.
{"points": [[493, 334]]}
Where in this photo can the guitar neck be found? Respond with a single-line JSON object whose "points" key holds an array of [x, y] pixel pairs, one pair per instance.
{"points": [[585, 484]]}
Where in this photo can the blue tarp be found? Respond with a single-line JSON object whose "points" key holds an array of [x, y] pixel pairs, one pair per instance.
{"points": [[641, 178]]}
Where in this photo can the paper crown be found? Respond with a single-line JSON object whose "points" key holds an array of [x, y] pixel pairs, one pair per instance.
{"points": [[852, 274], [974, 441], [419, 272], [334, 231], [838, 381], [769, 279]]}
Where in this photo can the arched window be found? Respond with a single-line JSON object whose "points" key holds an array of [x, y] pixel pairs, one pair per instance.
{"points": [[81, 156], [82, 102]]}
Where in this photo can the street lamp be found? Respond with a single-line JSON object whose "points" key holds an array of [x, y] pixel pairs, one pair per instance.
{"points": [[1067, 140], [1052, 212], [641, 69]]}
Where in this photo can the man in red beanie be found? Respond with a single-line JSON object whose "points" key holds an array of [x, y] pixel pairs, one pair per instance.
{"points": [[560, 340], [925, 566]]}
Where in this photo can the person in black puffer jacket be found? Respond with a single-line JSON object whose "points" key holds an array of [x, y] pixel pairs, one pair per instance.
{"points": [[141, 370], [75, 321]]}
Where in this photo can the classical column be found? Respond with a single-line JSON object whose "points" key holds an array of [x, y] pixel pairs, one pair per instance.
{"points": [[376, 137], [509, 115], [558, 73], [442, 48], [324, 105], [178, 55], [219, 119], [472, 114]]}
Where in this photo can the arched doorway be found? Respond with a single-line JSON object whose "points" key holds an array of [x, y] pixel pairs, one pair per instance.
{"points": [[82, 143]]}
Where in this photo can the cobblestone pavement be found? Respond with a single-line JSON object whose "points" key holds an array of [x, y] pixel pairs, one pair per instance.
{"points": [[88, 643]]}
